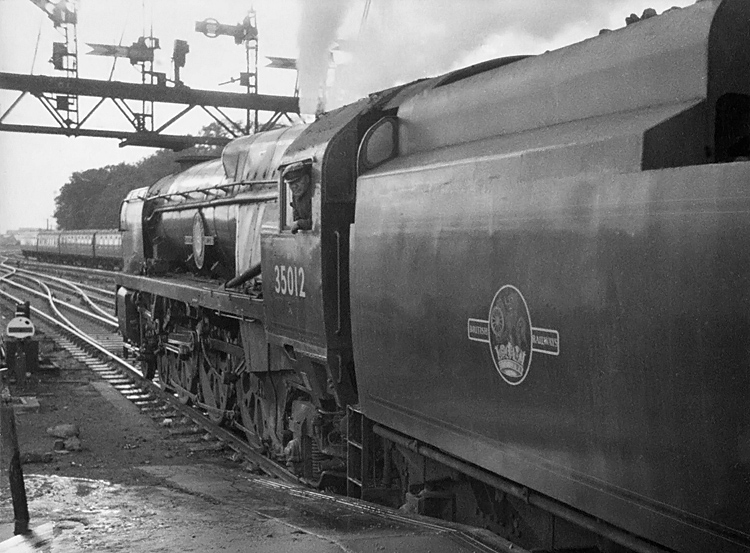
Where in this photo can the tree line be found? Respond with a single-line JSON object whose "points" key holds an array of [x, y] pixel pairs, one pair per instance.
{"points": [[91, 199]]}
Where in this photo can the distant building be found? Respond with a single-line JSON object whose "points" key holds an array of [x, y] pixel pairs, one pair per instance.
{"points": [[8, 239], [24, 236]]}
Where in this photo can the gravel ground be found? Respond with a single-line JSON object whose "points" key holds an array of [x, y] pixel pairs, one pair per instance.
{"points": [[101, 491], [116, 437]]}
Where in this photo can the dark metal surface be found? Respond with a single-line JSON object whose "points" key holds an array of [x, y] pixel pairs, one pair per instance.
{"points": [[644, 276], [197, 294], [538, 305], [213, 190], [295, 316], [558, 509], [131, 226], [640, 418], [257, 157], [314, 320], [660, 61]]}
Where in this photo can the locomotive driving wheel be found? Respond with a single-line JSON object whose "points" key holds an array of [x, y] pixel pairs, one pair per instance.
{"points": [[178, 375], [184, 379], [216, 392], [251, 415], [162, 369]]}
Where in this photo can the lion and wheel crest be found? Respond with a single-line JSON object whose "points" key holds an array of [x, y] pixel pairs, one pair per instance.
{"points": [[511, 338]]}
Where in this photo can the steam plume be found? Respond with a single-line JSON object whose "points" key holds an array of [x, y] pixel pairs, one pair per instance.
{"points": [[404, 40], [321, 20]]}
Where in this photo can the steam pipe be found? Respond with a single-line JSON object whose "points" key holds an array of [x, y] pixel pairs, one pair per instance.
{"points": [[213, 203], [252, 272], [550, 505]]}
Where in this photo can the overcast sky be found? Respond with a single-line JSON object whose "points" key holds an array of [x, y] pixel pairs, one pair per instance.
{"points": [[398, 41]]}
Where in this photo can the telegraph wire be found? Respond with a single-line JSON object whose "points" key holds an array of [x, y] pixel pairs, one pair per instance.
{"points": [[36, 48]]}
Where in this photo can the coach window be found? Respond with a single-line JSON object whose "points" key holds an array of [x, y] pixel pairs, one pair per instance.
{"points": [[297, 192]]}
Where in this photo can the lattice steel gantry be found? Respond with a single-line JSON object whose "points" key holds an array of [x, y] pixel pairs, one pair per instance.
{"points": [[60, 95]]}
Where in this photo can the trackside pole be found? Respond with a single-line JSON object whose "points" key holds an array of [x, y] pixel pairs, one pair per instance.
{"points": [[10, 457], [19, 332]]}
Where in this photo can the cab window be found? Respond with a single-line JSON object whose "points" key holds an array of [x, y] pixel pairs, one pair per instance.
{"points": [[296, 192]]}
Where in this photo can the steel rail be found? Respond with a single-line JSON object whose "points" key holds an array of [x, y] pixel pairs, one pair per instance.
{"points": [[71, 329], [74, 269], [233, 441], [96, 289], [110, 322], [75, 287]]}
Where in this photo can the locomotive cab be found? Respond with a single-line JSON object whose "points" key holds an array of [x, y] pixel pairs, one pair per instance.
{"points": [[305, 256]]}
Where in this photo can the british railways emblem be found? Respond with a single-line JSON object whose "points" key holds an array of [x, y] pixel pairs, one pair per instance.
{"points": [[511, 338]]}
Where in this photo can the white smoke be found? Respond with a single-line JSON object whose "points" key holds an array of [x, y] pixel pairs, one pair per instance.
{"points": [[319, 26], [404, 40]]}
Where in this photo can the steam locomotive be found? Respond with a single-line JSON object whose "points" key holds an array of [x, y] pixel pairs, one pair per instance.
{"points": [[522, 300]]}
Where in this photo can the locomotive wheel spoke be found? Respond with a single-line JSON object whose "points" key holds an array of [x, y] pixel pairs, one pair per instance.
{"points": [[163, 370], [250, 416], [215, 393], [185, 377]]}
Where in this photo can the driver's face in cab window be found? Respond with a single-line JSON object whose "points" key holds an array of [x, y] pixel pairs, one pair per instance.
{"points": [[297, 180], [299, 185]]}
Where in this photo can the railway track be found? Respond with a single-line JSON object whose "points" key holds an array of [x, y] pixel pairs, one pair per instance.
{"points": [[90, 335], [93, 276]]}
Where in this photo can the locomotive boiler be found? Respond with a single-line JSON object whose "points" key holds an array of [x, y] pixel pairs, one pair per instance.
{"points": [[521, 301]]}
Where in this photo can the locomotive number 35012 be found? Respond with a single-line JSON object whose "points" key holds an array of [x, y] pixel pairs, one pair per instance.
{"points": [[289, 281]]}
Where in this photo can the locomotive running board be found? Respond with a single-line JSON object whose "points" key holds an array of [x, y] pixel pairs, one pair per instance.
{"points": [[230, 303]]}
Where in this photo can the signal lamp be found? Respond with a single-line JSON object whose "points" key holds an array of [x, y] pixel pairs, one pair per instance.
{"points": [[59, 51], [181, 49]]}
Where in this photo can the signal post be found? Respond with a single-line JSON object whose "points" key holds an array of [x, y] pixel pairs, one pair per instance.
{"points": [[22, 356]]}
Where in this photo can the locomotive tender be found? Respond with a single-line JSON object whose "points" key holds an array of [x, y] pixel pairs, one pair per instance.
{"points": [[529, 278]]}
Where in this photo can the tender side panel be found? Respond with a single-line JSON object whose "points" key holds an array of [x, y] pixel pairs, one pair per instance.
{"points": [[637, 295]]}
